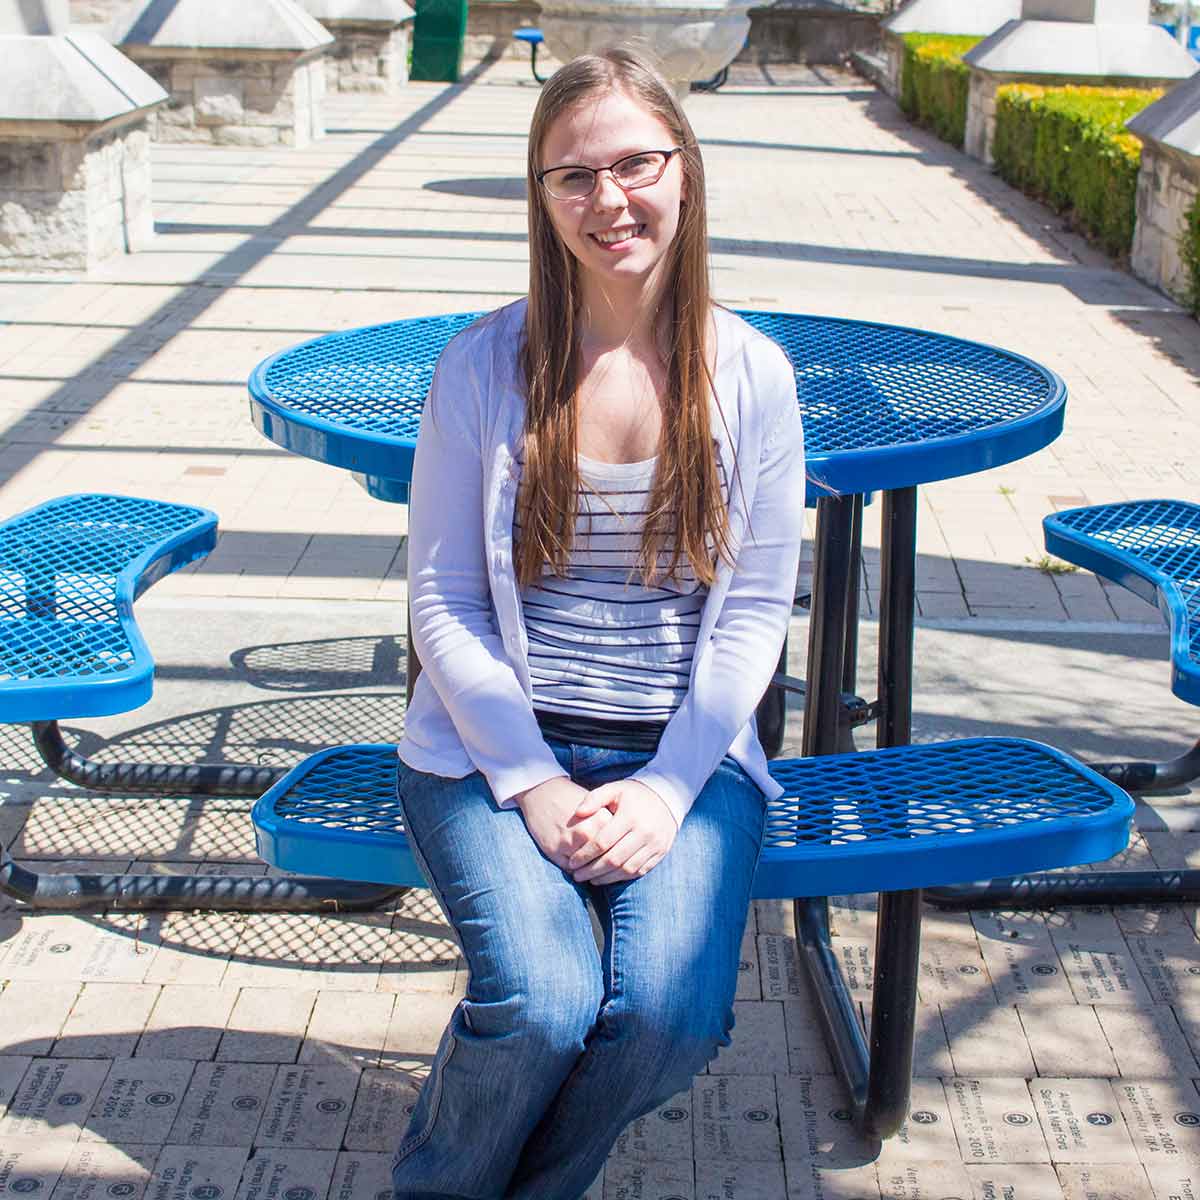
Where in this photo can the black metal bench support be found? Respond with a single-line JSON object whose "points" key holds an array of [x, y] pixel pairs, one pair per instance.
{"points": [[1054, 888], [1153, 777], [155, 779], [170, 893], [174, 893]]}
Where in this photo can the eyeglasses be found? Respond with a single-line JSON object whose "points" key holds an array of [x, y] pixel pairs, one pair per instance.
{"points": [[633, 171]]}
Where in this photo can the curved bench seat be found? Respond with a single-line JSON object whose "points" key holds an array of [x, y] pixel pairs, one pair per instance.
{"points": [[881, 820], [70, 570], [1151, 547]]}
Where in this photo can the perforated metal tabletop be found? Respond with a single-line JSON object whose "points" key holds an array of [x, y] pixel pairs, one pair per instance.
{"points": [[884, 406]]}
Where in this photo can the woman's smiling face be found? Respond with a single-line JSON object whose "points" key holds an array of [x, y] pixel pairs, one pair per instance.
{"points": [[616, 236]]}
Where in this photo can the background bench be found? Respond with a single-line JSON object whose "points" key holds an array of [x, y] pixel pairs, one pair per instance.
{"points": [[1151, 547], [70, 571]]}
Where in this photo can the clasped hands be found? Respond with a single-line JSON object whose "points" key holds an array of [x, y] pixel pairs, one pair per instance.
{"points": [[614, 833]]}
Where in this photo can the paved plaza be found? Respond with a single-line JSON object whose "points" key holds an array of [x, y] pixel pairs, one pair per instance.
{"points": [[275, 1057]]}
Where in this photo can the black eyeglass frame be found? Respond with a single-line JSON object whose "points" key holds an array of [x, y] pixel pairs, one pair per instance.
{"points": [[611, 169]]}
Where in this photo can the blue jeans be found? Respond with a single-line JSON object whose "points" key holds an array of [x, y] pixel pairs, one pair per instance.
{"points": [[556, 1047]]}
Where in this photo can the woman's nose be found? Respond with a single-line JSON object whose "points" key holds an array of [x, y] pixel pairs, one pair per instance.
{"points": [[607, 193]]}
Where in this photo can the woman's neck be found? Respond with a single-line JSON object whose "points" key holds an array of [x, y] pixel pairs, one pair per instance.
{"points": [[621, 316]]}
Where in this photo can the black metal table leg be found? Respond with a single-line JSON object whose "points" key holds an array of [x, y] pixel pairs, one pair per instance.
{"points": [[832, 568], [832, 571], [898, 928], [850, 642]]}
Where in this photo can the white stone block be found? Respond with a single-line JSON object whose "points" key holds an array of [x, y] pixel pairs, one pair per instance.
{"points": [[1127, 12], [56, 229], [218, 100], [1174, 120], [44, 17], [1082, 51], [279, 25], [1168, 185], [249, 135], [953, 16], [77, 78]]}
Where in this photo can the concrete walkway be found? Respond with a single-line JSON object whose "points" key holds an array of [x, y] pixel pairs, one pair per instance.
{"points": [[265, 1057]]}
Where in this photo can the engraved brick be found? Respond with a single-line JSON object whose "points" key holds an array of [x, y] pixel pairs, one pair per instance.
{"points": [[139, 1100], [735, 1117], [1081, 1121], [1067, 1039], [223, 1105], [309, 1106], [995, 1121], [54, 1098]]}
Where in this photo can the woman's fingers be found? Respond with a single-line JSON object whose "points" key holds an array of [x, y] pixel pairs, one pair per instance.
{"points": [[601, 840], [639, 864], [594, 801], [613, 859]]}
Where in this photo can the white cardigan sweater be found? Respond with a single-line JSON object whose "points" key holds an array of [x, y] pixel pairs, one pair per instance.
{"points": [[471, 706]]}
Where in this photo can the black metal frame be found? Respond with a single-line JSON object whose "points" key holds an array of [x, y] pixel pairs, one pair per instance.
{"points": [[153, 779], [878, 1073], [711, 85], [1046, 889], [172, 893], [183, 893], [533, 46], [1153, 777]]}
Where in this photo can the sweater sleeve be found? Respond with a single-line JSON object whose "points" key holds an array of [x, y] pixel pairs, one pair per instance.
{"points": [[454, 623], [741, 657]]}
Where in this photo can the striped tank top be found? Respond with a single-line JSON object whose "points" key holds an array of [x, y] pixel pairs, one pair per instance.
{"points": [[604, 647]]}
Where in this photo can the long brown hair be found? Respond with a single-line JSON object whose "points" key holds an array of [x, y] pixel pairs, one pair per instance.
{"points": [[688, 516]]}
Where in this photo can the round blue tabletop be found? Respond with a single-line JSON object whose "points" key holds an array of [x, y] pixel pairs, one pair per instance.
{"points": [[884, 406]]}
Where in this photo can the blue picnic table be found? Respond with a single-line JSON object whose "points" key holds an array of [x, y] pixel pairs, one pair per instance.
{"points": [[886, 408]]}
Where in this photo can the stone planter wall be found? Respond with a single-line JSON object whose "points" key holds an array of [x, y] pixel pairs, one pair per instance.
{"points": [[981, 102], [69, 205], [367, 58], [490, 25], [802, 33], [981, 115], [1168, 184], [778, 34], [250, 100], [893, 60]]}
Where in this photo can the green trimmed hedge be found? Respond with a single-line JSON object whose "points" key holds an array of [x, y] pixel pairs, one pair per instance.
{"points": [[1189, 249], [934, 82], [1068, 147]]}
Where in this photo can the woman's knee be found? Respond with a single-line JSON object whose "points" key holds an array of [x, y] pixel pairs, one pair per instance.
{"points": [[550, 1011], [677, 1033]]}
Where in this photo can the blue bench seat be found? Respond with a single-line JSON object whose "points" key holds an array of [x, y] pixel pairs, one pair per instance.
{"points": [[70, 570], [1151, 547], [892, 820], [883, 820]]}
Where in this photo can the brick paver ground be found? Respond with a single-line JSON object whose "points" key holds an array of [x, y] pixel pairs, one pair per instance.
{"points": [[256, 1057]]}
